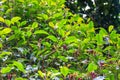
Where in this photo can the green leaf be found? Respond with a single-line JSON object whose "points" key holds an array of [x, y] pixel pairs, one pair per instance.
{"points": [[53, 38], [91, 27], [112, 77], [91, 24], [51, 24], [103, 32], [64, 70], [19, 66], [113, 35], [110, 28], [41, 32], [34, 25], [5, 70], [6, 30], [61, 32], [118, 43], [2, 19], [70, 39], [23, 23], [15, 19], [55, 74], [63, 58], [29, 33], [99, 39], [45, 16], [92, 67], [57, 15], [41, 74], [4, 54], [8, 22], [1, 45]]}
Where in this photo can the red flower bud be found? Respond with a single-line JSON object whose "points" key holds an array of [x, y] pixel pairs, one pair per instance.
{"points": [[79, 78], [93, 75], [9, 76], [64, 47]]}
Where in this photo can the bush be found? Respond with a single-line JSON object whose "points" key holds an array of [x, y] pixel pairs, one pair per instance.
{"points": [[43, 40]]}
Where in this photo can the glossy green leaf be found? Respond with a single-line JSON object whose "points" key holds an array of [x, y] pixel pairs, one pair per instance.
{"points": [[5, 31], [5, 70]]}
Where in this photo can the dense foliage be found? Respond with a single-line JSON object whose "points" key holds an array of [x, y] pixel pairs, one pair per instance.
{"points": [[102, 12], [43, 40]]}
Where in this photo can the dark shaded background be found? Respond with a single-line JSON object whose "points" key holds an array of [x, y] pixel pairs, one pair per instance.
{"points": [[102, 12]]}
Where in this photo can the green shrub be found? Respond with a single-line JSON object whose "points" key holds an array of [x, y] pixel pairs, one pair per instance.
{"points": [[47, 41]]}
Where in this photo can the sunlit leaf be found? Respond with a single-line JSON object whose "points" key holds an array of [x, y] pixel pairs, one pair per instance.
{"points": [[99, 39], [63, 58], [41, 32], [4, 54], [92, 67], [53, 38], [1, 45], [19, 65], [34, 25], [5, 31], [103, 32], [61, 32], [51, 24], [7, 22], [41, 73], [5, 70], [2, 19], [15, 19], [45, 16], [64, 70], [110, 28], [71, 39]]}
